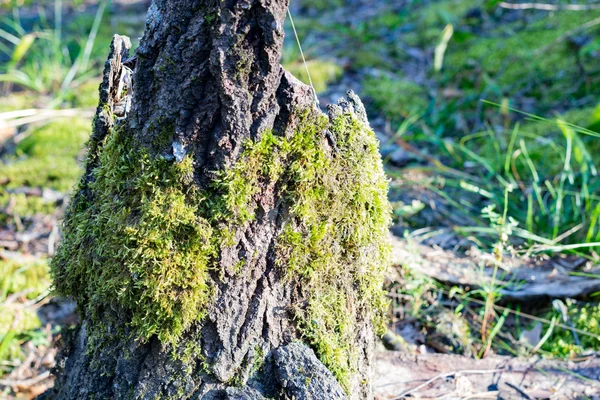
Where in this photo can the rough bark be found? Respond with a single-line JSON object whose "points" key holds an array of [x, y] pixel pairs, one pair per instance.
{"points": [[209, 70]]}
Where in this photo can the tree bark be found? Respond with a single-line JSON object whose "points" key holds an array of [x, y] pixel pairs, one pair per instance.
{"points": [[206, 84]]}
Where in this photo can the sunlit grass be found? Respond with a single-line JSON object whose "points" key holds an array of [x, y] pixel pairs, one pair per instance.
{"points": [[44, 61], [47, 156], [23, 283], [530, 189]]}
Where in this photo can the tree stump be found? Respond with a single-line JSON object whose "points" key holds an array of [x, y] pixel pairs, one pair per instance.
{"points": [[228, 240]]}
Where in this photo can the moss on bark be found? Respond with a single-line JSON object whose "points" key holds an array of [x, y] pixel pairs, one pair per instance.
{"points": [[142, 237]]}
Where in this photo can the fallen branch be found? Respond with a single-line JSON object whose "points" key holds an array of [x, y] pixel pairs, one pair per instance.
{"points": [[446, 375], [399, 373], [525, 278]]}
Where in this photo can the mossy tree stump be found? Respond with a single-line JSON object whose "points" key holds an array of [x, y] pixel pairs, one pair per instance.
{"points": [[225, 228]]}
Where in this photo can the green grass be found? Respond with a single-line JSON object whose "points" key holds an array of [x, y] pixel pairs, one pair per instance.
{"points": [[551, 179], [60, 62], [530, 189], [321, 5], [530, 57], [471, 322], [19, 282], [396, 99], [47, 156]]}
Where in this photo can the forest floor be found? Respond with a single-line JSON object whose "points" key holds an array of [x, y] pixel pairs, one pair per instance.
{"points": [[487, 117]]}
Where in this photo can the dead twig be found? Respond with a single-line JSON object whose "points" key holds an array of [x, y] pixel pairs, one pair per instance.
{"points": [[14, 119], [483, 395], [519, 390], [549, 7], [25, 384], [587, 25], [16, 296], [446, 375]]}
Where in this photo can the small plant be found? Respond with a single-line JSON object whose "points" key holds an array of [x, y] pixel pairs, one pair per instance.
{"points": [[579, 317]]}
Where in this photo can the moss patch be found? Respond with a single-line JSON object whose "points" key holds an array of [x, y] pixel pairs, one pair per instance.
{"points": [[396, 98], [47, 157], [85, 95], [322, 72], [321, 5], [140, 237], [17, 277], [140, 244], [585, 317], [18, 101], [61, 138], [335, 242], [23, 206]]}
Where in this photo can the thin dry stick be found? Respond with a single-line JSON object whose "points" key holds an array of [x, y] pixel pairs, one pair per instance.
{"points": [[519, 390], [483, 395], [14, 119], [549, 7], [25, 383], [446, 375], [302, 54], [568, 233], [587, 25]]}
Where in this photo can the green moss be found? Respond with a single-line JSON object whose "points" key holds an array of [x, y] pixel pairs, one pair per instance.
{"points": [[438, 14], [15, 322], [396, 98], [25, 206], [15, 325], [373, 57], [585, 317], [141, 237], [47, 157], [64, 137], [158, 249], [388, 20], [512, 57], [259, 360], [16, 277], [335, 242], [211, 18], [492, 55], [53, 172], [85, 95], [322, 72], [18, 101]]}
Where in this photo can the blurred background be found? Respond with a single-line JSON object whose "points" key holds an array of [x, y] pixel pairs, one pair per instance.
{"points": [[488, 118]]}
